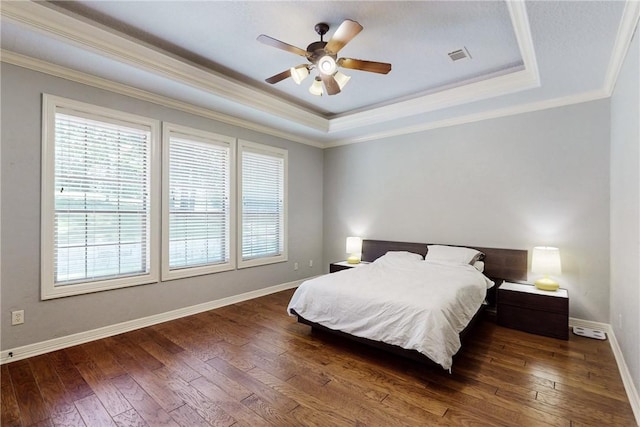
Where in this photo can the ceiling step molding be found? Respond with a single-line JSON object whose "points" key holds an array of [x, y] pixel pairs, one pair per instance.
{"points": [[476, 117], [628, 25]]}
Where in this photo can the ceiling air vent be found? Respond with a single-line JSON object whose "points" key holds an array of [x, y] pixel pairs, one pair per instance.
{"points": [[459, 55]]}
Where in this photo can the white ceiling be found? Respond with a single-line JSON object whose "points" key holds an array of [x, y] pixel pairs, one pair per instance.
{"points": [[203, 57]]}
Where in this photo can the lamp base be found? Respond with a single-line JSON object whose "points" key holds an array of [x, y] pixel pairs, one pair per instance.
{"points": [[353, 260], [547, 284]]}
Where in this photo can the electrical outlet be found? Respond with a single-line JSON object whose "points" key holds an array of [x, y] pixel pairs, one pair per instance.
{"points": [[295, 265], [310, 263], [17, 317]]}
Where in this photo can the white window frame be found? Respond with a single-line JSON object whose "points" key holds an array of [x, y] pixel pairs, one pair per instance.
{"points": [[170, 130], [243, 146], [50, 106]]}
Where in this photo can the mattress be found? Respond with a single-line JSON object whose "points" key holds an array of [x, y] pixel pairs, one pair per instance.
{"points": [[414, 304]]}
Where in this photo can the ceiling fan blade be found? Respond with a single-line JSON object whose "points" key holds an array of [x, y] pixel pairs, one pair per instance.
{"points": [[359, 64], [343, 35], [279, 77], [330, 84], [281, 45]]}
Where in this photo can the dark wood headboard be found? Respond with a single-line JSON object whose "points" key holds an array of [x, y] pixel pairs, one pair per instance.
{"points": [[499, 264]]}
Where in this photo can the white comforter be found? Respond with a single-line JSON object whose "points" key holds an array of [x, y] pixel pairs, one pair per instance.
{"points": [[417, 305]]}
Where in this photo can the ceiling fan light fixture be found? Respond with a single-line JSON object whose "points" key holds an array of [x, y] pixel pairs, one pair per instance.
{"points": [[342, 79], [299, 73], [323, 57], [316, 87], [327, 65]]}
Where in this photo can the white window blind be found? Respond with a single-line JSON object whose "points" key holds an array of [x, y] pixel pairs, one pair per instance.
{"points": [[99, 200], [263, 217], [199, 203], [102, 200]]}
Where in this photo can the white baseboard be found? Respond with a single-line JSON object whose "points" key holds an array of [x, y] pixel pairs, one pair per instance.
{"points": [[36, 349], [629, 386]]}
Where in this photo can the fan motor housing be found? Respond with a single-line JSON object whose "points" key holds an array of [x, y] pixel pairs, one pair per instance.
{"points": [[315, 51]]}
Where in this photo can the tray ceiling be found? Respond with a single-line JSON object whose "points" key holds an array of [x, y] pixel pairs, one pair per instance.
{"points": [[205, 55]]}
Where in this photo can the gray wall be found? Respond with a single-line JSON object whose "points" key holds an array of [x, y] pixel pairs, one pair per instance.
{"points": [[625, 210], [21, 129], [539, 178]]}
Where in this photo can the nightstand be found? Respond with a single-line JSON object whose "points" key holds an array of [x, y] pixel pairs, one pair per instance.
{"points": [[344, 265], [530, 309]]}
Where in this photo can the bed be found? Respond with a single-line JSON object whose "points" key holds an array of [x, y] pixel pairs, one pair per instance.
{"points": [[405, 304]]}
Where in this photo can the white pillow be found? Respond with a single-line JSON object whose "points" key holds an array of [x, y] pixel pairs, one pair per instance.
{"points": [[452, 254], [397, 257]]}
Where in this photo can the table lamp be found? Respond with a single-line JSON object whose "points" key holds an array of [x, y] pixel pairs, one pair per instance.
{"points": [[354, 249], [546, 261]]}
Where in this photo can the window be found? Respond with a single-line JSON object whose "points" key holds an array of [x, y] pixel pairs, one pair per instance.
{"points": [[198, 203], [263, 204], [99, 210]]}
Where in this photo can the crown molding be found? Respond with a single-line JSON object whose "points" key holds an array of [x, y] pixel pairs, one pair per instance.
{"points": [[476, 117], [100, 83], [628, 25], [128, 51]]}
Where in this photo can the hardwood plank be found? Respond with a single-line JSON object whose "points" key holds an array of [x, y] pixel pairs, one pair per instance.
{"points": [[229, 404], [59, 401], [130, 418], [98, 352], [74, 384], [207, 409], [268, 413], [32, 406], [215, 377], [144, 404], [154, 336], [67, 416], [113, 401], [501, 410], [93, 413], [170, 360], [273, 397], [187, 417], [133, 359], [126, 343], [336, 396], [382, 380], [306, 398], [310, 417], [10, 411], [582, 410]]}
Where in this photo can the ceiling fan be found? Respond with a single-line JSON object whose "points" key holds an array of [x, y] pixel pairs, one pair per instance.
{"points": [[323, 56]]}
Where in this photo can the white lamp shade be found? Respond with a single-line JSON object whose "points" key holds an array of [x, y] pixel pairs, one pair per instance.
{"points": [[354, 245], [546, 260], [316, 88], [298, 74], [342, 79]]}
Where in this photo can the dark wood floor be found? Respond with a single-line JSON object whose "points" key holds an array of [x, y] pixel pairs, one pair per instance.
{"points": [[250, 364]]}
